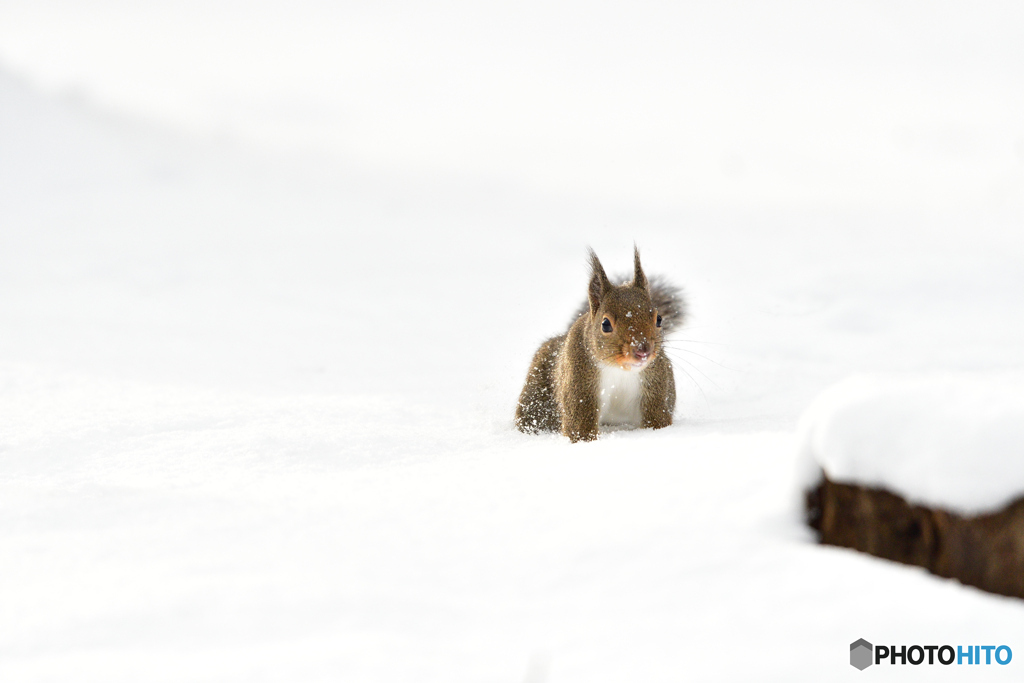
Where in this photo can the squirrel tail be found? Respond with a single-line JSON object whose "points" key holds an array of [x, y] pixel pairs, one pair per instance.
{"points": [[669, 301], [665, 296]]}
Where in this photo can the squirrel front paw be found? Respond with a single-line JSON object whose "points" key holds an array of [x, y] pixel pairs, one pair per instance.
{"points": [[575, 436]]}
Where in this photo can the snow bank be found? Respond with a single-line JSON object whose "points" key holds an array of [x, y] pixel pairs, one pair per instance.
{"points": [[949, 441]]}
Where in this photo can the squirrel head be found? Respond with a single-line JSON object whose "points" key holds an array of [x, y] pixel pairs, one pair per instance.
{"points": [[624, 328]]}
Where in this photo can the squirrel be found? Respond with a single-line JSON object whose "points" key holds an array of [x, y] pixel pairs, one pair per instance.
{"points": [[609, 367]]}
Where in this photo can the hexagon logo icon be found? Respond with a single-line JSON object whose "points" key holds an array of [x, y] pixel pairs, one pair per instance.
{"points": [[860, 654]]}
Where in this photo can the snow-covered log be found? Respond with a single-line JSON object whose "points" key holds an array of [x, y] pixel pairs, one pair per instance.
{"points": [[924, 470], [985, 550]]}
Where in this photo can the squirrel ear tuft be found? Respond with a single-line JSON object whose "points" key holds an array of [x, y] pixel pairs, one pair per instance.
{"points": [[599, 283], [639, 279]]}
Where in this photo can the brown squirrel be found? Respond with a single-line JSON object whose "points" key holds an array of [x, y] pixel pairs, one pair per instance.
{"points": [[609, 367]]}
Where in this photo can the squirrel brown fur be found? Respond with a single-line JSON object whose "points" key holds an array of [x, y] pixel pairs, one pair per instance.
{"points": [[610, 366]]}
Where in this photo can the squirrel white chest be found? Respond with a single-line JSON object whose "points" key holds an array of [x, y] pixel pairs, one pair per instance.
{"points": [[620, 396]]}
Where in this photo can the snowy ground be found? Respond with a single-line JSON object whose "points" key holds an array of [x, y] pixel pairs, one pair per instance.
{"points": [[256, 401]]}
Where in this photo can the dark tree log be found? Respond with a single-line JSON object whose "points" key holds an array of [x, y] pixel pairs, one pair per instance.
{"points": [[986, 551]]}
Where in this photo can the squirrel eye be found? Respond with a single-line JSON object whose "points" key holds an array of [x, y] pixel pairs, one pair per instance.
{"points": [[606, 325], [658, 321]]}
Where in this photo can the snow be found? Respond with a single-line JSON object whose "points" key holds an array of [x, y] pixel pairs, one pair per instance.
{"points": [[878, 102], [270, 285], [948, 441]]}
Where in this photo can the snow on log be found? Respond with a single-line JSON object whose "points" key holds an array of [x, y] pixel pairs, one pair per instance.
{"points": [[925, 471]]}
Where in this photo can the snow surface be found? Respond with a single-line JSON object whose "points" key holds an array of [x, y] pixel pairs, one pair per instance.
{"points": [[876, 103], [955, 442], [256, 398]]}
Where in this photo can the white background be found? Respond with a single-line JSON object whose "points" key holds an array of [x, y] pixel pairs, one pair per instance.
{"points": [[271, 276]]}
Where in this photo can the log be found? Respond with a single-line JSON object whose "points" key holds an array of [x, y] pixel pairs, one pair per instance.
{"points": [[986, 551]]}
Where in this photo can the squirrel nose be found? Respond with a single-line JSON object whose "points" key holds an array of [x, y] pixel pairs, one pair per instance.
{"points": [[642, 351]]}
